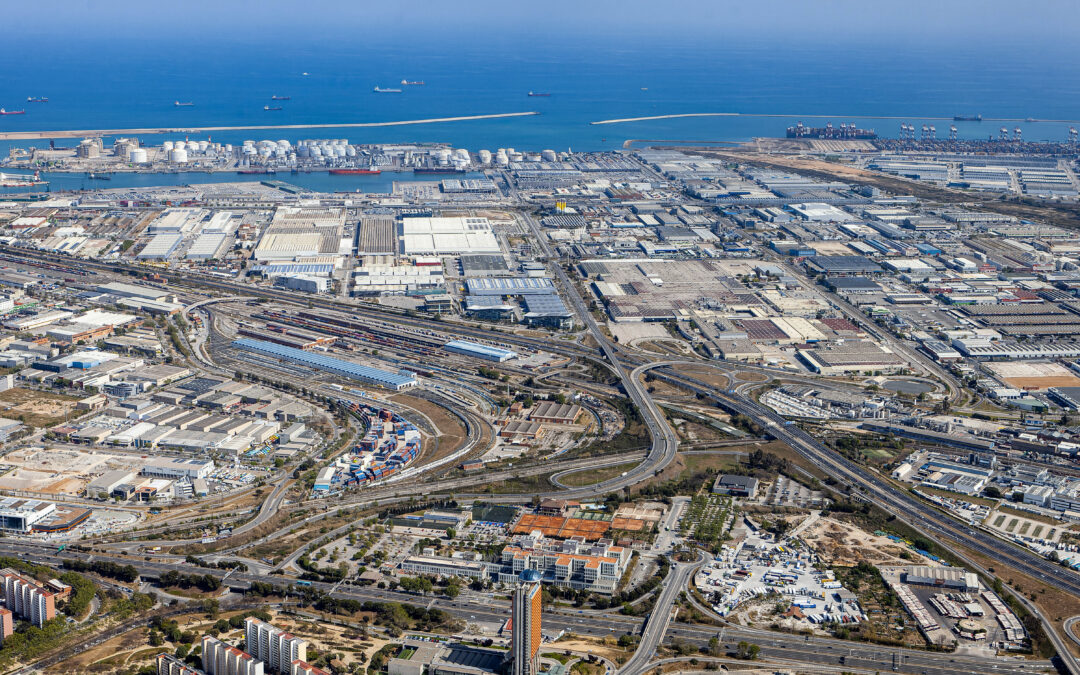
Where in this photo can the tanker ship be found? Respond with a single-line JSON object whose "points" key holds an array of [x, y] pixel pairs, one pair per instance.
{"points": [[355, 172]]}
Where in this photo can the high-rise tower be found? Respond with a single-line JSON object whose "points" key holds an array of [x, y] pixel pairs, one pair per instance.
{"points": [[525, 624]]}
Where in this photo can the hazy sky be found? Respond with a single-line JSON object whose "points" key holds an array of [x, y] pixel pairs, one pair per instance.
{"points": [[824, 21]]}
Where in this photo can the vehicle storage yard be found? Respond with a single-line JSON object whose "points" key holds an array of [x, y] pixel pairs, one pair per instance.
{"points": [[757, 567], [951, 606]]}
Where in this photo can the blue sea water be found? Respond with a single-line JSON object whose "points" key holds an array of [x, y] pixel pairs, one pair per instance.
{"points": [[132, 82]]}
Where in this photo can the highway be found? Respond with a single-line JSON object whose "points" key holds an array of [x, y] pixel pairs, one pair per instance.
{"points": [[665, 443], [656, 624], [475, 609], [923, 517]]}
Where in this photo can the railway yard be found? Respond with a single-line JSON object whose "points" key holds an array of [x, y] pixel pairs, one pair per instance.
{"points": [[710, 400]]}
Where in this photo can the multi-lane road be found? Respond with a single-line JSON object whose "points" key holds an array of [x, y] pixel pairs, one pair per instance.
{"points": [[656, 624], [485, 609], [664, 442], [874, 489]]}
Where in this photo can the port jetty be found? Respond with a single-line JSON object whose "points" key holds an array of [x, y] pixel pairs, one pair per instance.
{"points": [[91, 133]]}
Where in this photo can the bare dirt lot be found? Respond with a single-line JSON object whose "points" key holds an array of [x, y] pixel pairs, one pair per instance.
{"points": [[36, 408], [844, 545], [451, 432]]}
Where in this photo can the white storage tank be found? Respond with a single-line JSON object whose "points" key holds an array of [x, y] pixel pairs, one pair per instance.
{"points": [[138, 156], [203, 145], [548, 155], [485, 156], [180, 145], [178, 156], [350, 151], [167, 146]]}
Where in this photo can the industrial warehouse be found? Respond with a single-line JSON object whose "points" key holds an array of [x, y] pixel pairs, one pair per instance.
{"points": [[382, 378]]}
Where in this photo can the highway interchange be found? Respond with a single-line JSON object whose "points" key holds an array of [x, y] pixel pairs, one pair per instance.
{"points": [[630, 367]]}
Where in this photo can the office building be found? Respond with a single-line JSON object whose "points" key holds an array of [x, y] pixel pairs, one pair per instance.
{"points": [[596, 567], [220, 658], [525, 625], [273, 646], [20, 515], [736, 486]]}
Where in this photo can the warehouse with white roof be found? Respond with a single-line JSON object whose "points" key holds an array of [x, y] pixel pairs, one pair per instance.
{"points": [[161, 246], [486, 352], [447, 236]]}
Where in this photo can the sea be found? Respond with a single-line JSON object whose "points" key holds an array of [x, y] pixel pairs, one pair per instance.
{"points": [[95, 83]]}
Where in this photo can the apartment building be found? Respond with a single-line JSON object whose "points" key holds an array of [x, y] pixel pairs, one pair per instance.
{"points": [[273, 646]]}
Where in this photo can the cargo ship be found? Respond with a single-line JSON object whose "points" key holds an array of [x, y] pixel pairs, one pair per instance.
{"points": [[12, 112], [254, 172], [178, 104], [437, 169], [380, 90], [538, 93], [11, 180], [967, 118], [275, 107], [98, 176], [842, 132], [355, 172], [280, 98], [418, 83], [37, 99]]}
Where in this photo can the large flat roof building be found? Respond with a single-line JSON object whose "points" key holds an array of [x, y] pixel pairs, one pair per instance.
{"points": [[298, 232], [354, 371], [486, 352], [168, 467], [447, 236], [509, 286], [20, 515], [842, 264]]}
